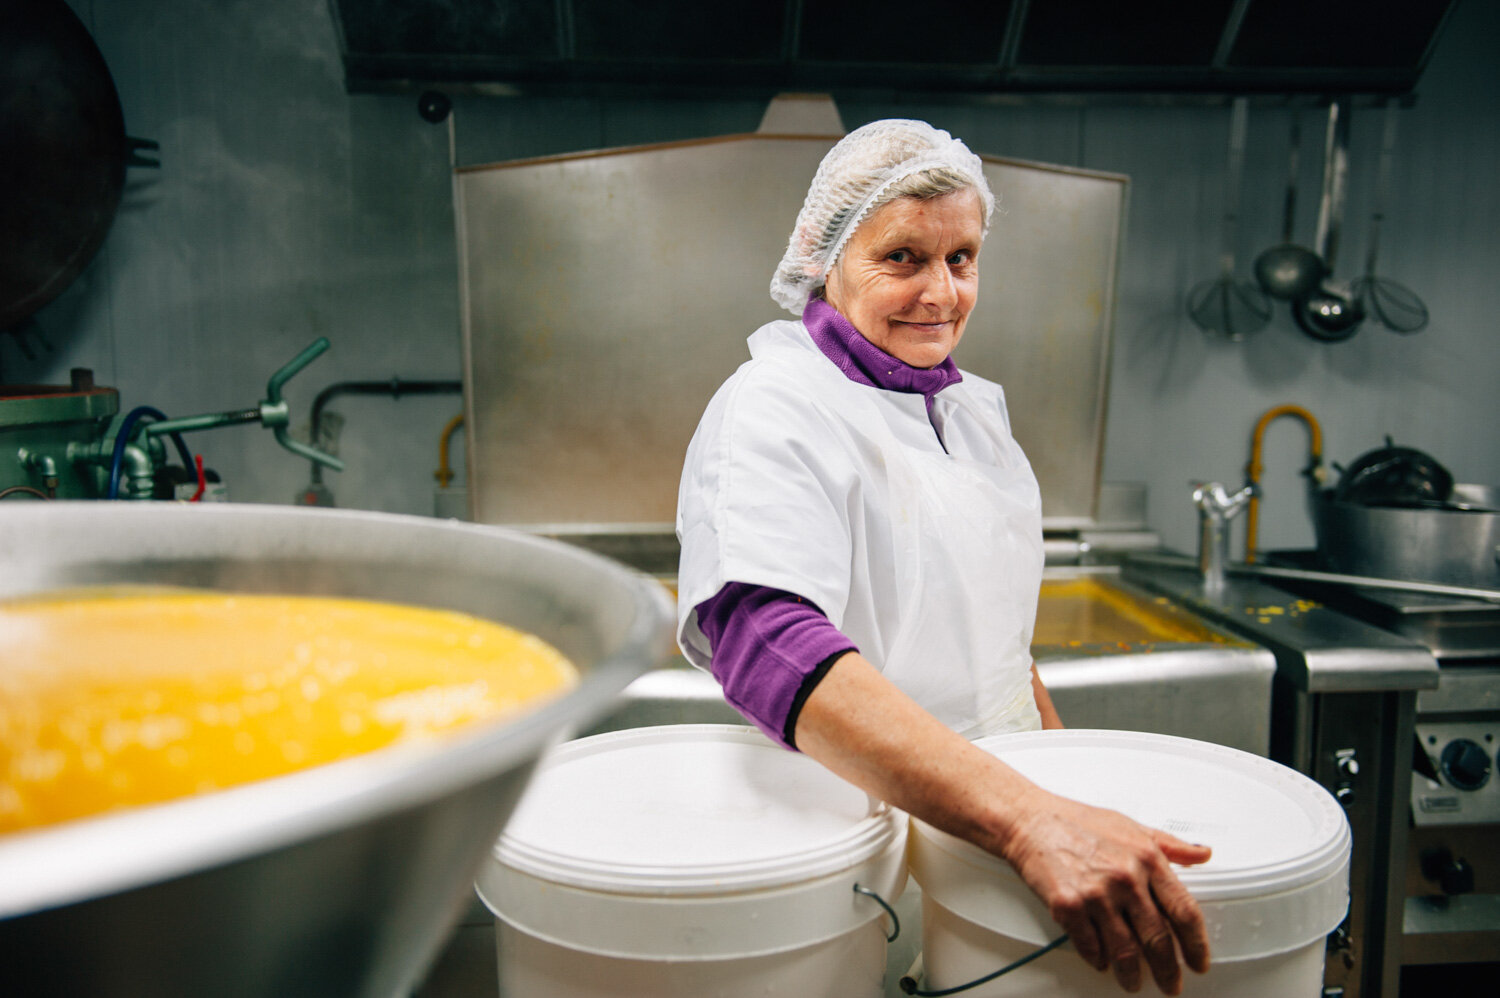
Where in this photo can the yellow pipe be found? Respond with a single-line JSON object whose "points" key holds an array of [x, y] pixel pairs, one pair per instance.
{"points": [[444, 474], [1256, 466]]}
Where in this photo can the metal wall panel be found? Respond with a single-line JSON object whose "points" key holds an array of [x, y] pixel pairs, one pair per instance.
{"points": [[607, 295]]}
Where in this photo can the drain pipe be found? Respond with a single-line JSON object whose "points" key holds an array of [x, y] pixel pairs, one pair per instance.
{"points": [[395, 388]]}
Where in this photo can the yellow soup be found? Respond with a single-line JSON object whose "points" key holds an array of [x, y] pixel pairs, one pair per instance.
{"points": [[118, 699]]}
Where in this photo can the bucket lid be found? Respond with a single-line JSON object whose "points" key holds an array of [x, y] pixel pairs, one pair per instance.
{"points": [[689, 809], [698, 842], [1278, 837]]}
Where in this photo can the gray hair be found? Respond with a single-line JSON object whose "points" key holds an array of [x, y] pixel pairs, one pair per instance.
{"points": [[868, 169]]}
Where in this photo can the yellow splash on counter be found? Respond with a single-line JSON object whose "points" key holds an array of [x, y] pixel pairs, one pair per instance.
{"points": [[1078, 612], [115, 699]]}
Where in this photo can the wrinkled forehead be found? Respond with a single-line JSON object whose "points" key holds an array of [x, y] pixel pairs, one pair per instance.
{"points": [[954, 219]]}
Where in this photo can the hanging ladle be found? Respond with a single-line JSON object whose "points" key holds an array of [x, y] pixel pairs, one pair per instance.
{"points": [[1330, 313], [1393, 305], [1225, 304], [1290, 271]]}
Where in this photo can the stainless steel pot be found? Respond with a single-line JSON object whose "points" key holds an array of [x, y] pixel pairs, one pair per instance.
{"points": [[1457, 546], [339, 880]]}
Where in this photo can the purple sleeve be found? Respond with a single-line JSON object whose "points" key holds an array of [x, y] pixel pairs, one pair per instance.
{"points": [[770, 649]]}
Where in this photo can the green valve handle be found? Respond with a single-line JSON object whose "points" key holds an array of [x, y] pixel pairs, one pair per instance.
{"points": [[276, 414], [314, 350], [273, 412]]}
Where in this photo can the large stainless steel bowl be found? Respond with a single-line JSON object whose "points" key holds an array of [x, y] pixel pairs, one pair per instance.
{"points": [[339, 880]]}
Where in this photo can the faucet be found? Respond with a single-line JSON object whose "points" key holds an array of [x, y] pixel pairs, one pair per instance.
{"points": [[1216, 507]]}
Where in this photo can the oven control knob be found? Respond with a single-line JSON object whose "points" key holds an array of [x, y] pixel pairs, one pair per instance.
{"points": [[1465, 764], [1454, 876]]}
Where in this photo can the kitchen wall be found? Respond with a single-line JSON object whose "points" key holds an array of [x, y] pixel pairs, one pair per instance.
{"points": [[286, 209]]}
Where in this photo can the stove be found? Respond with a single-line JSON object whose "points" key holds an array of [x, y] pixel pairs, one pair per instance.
{"points": [[1450, 870]]}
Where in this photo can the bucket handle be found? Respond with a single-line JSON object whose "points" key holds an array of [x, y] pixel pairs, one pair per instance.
{"points": [[895, 922], [909, 985]]}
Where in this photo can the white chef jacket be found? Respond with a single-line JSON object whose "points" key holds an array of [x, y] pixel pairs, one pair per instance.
{"points": [[919, 537]]}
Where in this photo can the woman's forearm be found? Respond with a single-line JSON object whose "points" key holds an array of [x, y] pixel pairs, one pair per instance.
{"points": [[1105, 879], [858, 724]]}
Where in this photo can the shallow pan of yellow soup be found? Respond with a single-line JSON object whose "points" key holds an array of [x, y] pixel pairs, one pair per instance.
{"points": [[117, 698]]}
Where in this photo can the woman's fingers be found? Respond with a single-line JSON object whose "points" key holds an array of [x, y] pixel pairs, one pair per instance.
{"points": [[1179, 906], [1132, 928], [1186, 921], [1122, 953], [1158, 944], [1070, 912], [1109, 883], [1180, 852]]}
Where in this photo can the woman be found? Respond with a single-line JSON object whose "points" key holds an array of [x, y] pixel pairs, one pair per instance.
{"points": [[861, 547]]}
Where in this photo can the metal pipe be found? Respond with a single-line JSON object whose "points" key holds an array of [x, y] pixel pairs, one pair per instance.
{"points": [[24, 490], [138, 468], [1314, 469], [210, 421], [444, 474], [46, 464], [395, 387]]}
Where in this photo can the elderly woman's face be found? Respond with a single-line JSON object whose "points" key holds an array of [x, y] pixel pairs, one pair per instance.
{"points": [[909, 276]]}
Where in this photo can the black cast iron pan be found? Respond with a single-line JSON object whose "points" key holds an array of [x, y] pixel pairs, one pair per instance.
{"points": [[64, 155]]}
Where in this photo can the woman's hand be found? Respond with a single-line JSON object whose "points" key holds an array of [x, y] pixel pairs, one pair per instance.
{"points": [[1107, 881]]}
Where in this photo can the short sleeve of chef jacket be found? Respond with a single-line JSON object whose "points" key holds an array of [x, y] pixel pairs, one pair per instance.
{"points": [[768, 493]]}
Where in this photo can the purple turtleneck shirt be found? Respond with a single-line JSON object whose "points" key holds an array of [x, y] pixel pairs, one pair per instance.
{"points": [[771, 648]]}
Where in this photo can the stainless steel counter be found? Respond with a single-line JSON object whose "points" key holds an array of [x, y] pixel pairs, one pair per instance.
{"points": [[1318, 650]]}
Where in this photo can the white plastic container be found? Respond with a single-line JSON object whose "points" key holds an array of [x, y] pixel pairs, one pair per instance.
{"points": [[1276, 886], [692, 860]]}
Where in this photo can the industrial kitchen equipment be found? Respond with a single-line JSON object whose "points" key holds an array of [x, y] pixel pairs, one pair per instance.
{"points": [[71, 442], [1387, 639], [1344, 701], [340, 879]]}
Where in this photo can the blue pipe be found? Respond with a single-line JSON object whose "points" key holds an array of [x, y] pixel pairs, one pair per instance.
{"points": [[122, 439]]}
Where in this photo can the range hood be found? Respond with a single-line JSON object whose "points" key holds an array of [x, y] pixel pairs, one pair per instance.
{"points": [[889, 48]]}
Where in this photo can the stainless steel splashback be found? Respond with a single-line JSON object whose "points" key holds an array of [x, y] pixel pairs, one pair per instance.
{"points": [[607, 295]]}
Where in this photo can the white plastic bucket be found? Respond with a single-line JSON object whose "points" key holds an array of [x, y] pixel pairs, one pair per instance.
{"points": [[692, 860], [1276, 886]]}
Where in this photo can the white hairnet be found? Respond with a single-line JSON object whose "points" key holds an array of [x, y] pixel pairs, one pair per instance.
{"points": [[853, 181]]}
